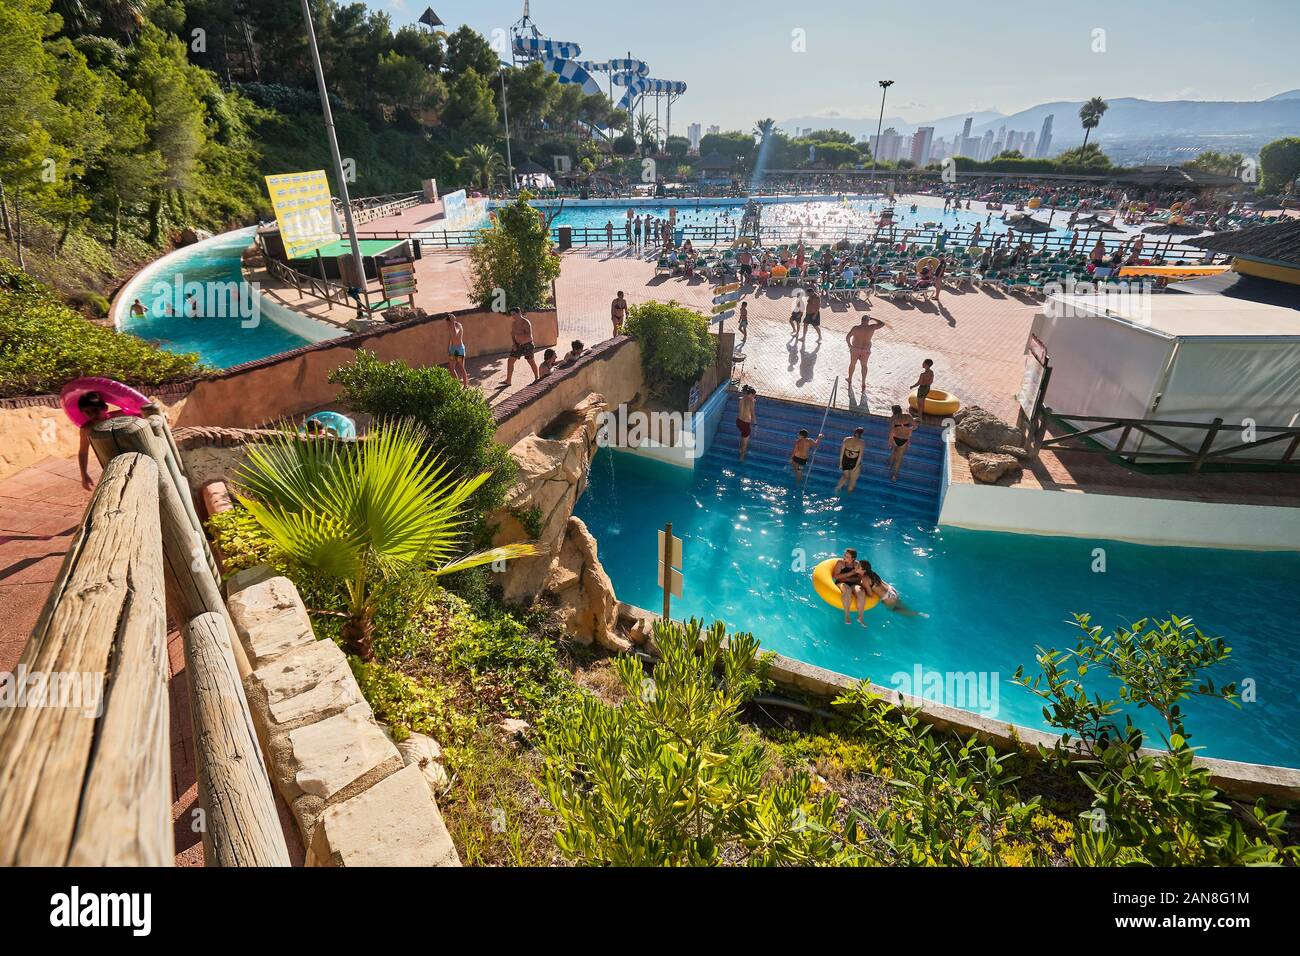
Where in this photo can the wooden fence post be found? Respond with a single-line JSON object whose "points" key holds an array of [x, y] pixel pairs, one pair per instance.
{"points": [[88, 782], [192, 583], [242, 825]]}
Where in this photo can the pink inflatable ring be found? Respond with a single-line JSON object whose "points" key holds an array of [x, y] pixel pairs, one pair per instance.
{"points": [[115, 393]]}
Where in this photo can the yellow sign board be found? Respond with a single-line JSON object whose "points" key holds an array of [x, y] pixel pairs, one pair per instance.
{"points": [[304, 209]]}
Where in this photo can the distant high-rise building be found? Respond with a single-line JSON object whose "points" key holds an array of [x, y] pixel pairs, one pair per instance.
{"points": [[693, 134], [1045, 135], [888, 146], [999, 141], [1014, 140], [1029, 145], [922, 140], [806, 131], [986, 145], [965, 130]]}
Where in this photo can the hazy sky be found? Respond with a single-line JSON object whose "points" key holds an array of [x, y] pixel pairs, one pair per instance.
{"points": [[946, 56]]}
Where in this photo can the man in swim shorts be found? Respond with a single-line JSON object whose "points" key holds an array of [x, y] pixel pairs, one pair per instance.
{"points": [[922, 386], [521, 334], [851, 450], [456, 348], [812, 314], [859, 342], [799, 456], [900, 436], [746, 416]]}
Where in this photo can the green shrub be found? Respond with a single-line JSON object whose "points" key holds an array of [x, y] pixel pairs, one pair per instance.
{"points": [[44, 344], [406, 705], [1157, 808], [676, 346], [513, 256], [668, 778], [457, 421]]}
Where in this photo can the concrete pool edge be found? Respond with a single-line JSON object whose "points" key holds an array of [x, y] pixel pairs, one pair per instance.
{"points": [[1096, 516], [1237, 779], [277, 313]]}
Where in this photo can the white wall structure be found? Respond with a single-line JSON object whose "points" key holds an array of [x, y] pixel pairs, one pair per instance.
{"points": [[1171, 357]]}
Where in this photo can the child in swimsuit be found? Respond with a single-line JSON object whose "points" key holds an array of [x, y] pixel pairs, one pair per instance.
{"points": [[799, 457]]}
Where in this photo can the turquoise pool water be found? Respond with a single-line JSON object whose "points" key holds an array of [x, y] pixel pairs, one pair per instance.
{"points": [[819, 219], [990, 598], [222, 338]]}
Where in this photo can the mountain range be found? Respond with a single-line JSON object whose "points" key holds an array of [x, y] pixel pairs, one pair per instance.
{"points": [[1128, 118]]}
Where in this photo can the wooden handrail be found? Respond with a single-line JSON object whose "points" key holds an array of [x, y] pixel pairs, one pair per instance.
{"points": [[92, 786], [242, 827]]}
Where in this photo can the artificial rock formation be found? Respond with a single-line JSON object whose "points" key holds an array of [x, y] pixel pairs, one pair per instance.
{"points": [[981, 430], [988, 467], [588, 607], [552, 474]]}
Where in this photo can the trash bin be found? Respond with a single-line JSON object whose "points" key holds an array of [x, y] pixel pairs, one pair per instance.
{"points": [[566, 237]]}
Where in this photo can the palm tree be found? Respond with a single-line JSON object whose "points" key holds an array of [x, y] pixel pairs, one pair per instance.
{"points": [[764, 128], [365, 514], [483, 163], [1090, 114], [647, 131]]}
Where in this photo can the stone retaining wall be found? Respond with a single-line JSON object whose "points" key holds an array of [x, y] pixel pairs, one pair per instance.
{"points": [[357, 800]]}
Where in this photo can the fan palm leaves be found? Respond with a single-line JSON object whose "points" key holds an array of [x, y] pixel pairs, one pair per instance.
{"points": [[363, 513], [1090, 114], [764, 128], [482, 163]]}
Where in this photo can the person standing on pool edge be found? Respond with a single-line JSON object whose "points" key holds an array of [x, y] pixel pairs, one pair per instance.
{"points": [[746, 416], [812, 314], [922, 385], [521, 334]]}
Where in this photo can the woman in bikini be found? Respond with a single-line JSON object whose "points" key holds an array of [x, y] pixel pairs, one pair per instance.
{"points": [[887, 593], [900, 436], [799, 456], [849, 576], [851, 450]]}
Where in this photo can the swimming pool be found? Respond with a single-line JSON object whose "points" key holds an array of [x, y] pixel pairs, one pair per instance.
{"points": [[750, 542], [222, 337], [821, 219]]}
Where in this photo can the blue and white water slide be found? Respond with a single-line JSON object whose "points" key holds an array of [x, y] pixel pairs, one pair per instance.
{"points": [[571, 71], [545, 48]]}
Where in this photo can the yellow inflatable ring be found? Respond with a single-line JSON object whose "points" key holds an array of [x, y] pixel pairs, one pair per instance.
{"points": [[829, 591], [1035, 203], [936, 403]]}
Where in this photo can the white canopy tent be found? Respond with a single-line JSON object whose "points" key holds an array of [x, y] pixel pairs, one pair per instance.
{"points": [[1185, 358]]}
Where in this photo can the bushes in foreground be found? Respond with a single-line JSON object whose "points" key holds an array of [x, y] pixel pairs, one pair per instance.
{"points": [[44, 344]]}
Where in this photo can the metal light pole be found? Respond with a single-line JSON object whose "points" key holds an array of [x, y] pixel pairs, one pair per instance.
{"points": [[505, 112], [334, 153], [884, 88]]}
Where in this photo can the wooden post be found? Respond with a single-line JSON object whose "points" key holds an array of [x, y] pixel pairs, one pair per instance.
{"points": [[1206, 445], [242, 825], [88, 783], [668, 569], [191, 582]]}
